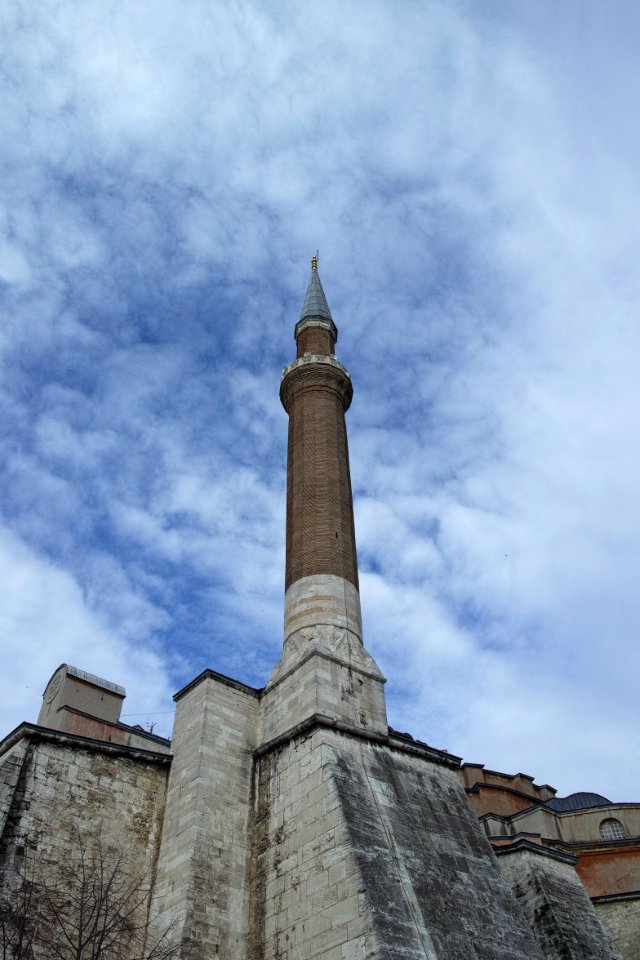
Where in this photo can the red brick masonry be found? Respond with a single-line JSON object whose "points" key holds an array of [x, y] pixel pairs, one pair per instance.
{"points": [[320, 530]]}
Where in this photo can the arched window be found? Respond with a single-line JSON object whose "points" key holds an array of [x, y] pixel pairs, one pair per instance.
{"points": [[612, 830]]}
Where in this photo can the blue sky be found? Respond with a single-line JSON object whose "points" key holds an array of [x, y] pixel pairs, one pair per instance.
{"points": [[469, 174]]}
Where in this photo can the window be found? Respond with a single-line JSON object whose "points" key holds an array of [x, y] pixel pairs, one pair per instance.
{"points": [[612, 830]]}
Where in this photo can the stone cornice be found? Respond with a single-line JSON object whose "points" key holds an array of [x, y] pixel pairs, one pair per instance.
{"points": [[536, 848], [319, 721], [315, 358], [366, 666], [209, 674], [314, 370], [329, 325], [31, 731]]}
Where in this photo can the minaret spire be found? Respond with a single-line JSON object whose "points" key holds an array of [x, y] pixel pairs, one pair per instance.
{"points": [[315, 303], [322, 601]]}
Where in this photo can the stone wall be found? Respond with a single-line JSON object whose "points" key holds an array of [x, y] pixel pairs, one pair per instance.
{"points": [[556, 904], [202, 872], [331, 841], [324, 669], [56, 789], [362, 850], [621, 920], [10, 768], [330, 674]]}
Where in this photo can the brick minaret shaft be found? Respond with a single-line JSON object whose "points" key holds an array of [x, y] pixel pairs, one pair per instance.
{"points": [[316, 390]]}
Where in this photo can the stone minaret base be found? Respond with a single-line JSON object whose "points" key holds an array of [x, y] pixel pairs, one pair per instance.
{"points": [[325, 670]]}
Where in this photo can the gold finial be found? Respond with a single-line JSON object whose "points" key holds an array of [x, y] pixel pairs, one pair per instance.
{"points": [[314, 261]]}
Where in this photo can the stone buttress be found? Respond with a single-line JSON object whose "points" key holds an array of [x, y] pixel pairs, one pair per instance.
{"points": [[298, 826]]}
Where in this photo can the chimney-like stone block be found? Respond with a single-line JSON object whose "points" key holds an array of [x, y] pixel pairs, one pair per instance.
{"points": [[80, 691], [203, 866]]}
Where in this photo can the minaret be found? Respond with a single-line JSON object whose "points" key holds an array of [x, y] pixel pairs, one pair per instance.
{"points": [[322, 619], [316, 392]]}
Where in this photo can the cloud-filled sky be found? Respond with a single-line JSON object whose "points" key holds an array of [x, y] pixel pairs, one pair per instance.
{"points": [[469, 173]]}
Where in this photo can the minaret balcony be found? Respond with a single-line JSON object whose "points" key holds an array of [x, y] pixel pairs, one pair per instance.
{"points": [[314, 370]]}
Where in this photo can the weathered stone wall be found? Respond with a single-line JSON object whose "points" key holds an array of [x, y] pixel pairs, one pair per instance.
{"points": [[559, 910], [10, 768], [306, 892], [621, 920], [203, 865], [55, 790], [364, 851]]}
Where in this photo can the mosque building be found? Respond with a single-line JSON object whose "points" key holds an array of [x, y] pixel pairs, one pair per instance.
{"points": [[291, 822]]}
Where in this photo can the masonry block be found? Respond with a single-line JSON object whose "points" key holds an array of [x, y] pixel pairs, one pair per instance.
{"points": [[389, 857], [203, 865], [557, 906]]}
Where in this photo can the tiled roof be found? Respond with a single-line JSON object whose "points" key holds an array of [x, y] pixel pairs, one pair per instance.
{"points": [[577, 801]]}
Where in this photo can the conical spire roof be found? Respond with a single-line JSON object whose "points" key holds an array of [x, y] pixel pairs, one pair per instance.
{"points": [[315, 303]]}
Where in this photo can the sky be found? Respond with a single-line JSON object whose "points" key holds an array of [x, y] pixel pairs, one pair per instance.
{"points": [[468, 172]]}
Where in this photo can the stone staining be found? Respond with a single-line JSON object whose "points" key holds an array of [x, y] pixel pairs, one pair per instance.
{"points": [[550, 893]]}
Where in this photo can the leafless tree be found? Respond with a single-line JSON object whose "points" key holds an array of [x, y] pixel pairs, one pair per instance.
{"points": [[17, 918], [91, 906]]}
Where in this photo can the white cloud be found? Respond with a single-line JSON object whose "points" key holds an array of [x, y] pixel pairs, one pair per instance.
{"points": [[47, 620]]}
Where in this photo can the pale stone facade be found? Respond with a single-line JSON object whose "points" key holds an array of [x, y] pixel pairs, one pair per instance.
{"points": [[325, 670], [620, 916], [330, 841], [55, 787], [349, 863], [203, 881]]}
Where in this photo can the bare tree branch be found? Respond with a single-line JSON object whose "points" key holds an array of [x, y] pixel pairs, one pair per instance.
{"points": [[91, 906]]}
